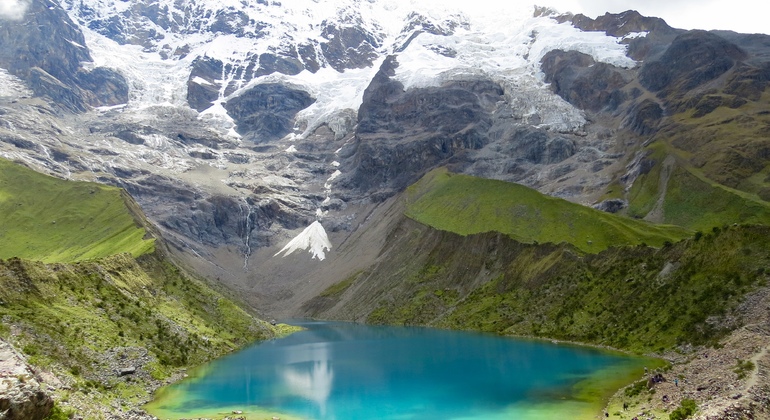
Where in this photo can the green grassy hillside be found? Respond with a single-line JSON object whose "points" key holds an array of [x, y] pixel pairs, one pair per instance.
{"points": [[689, 198], [466, 205], [83, 322], [637, 298], [84, 295], [53, 220]]}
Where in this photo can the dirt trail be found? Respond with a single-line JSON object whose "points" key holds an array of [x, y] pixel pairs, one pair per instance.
{"points": [[708, 376]]}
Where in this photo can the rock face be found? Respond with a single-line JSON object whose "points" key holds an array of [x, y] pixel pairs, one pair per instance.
{"points": [[48, 50], [267, 110], [694, 58], [21, 397], [583, 82], [245, 124], [468, 125]]}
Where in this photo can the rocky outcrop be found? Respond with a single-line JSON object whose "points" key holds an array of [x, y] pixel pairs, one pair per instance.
{"points": [[349, 45], [266, 111], [401, 135], [583, 82], [658, 33], [21, 396], [47, 49], [693, 59]]}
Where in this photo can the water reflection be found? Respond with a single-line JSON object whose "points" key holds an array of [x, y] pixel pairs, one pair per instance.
{"points": [[308, 373], [347, 371]]}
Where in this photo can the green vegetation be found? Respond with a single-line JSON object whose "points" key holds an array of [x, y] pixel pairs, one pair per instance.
{"points": [[337, 289], [58, 413], [53, 220], [76, 314], [708, 169], [691, 200], [82, 294], [636, 298], [467, 205], [743, 368], [686, 409]]}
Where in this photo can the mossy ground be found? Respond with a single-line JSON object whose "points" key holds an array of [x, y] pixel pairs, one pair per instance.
{"points": [[53, 220], [466, 205]]}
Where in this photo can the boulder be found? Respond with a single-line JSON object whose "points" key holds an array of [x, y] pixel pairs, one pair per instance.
{"points": [[21, 396]]}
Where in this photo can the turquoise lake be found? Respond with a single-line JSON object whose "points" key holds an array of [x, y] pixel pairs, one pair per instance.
{"points": [[352, 371]]}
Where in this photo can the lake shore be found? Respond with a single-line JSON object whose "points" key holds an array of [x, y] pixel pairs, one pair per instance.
{"points": [[705, 375], [727, 381]]}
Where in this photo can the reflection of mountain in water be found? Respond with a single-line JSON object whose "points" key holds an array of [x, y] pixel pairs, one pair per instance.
{"points": [[309, 373]]}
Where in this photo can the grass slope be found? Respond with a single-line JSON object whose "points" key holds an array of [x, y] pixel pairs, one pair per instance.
{"points": [[53, 220], [636, 298], [89, 296], [690, 198], [85, 321], [466, 205]]}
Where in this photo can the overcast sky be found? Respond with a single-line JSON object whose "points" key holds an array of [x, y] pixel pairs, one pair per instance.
{"points": [[748, 16]]}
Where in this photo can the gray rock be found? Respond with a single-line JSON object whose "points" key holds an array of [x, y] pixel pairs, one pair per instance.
{"points": [[612, 205], [21, 396], [266, 111]]}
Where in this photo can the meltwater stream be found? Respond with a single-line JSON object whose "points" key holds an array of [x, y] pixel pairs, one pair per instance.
{"points": [[351, 371]]}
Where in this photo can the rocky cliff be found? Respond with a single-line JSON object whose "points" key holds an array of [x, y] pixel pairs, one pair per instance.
{"points": [[21, 395], [236, 128]]}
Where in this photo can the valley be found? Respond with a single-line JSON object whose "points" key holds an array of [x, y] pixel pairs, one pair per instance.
{"points": [[527, 173]]}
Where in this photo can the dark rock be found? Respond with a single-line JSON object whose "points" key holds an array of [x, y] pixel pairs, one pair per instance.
{"points": [[348, 46], [202, 85], [706, 104], [621, 24], [308, 53], [612, 205], [691, 60], [44, 84], [748, 82], [129, 137], [46, 49], [286, 63], [103, 87], [18, 141], [202, 155], [644, 118], [401, 135], [581, 81], [266, 111], [127, 371], [44, 38]]}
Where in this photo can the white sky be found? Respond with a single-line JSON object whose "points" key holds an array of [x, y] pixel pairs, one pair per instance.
{"points": [[746, 16]]}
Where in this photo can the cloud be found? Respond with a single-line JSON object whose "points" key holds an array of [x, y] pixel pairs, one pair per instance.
{"points": [[13, 9]]}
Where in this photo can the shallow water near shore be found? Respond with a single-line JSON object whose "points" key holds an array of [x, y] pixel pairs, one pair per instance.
{"points": [[352, 371]]}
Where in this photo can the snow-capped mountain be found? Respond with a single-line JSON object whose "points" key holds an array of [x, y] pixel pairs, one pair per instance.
{"points": [[239, 125]]}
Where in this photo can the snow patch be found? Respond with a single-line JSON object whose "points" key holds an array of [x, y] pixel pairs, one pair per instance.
{"points": [[313, 239], [11, 85]]}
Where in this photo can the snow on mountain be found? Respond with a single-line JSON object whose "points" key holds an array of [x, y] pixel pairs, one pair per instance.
{"points": [[329, 49], [313, 239], [154, 44]]}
